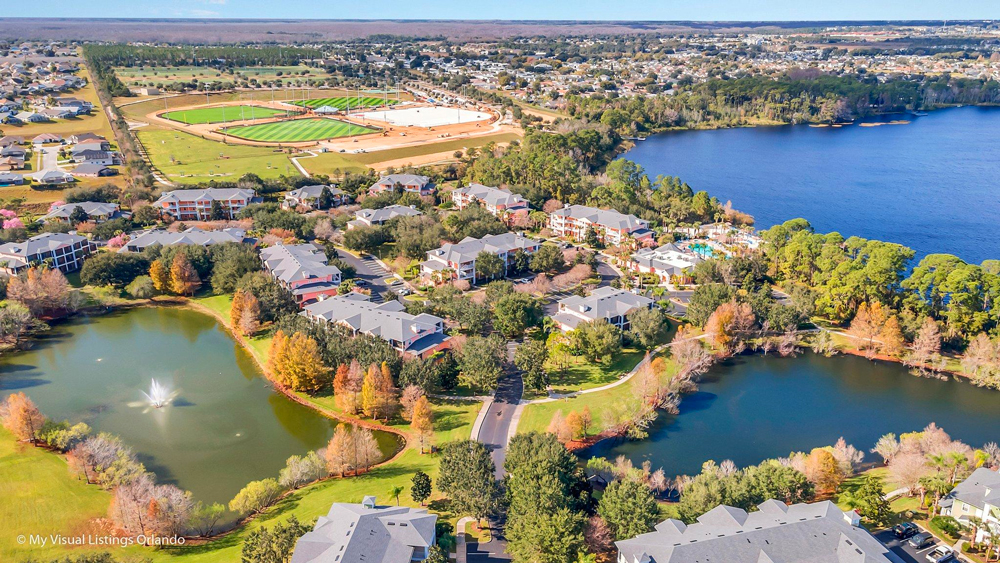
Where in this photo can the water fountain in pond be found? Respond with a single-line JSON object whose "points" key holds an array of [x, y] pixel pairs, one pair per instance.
{"points": [[159, 395]]}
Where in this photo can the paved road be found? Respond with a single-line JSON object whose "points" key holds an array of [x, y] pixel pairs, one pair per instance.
{"points": [[49, 158], [902, 549], [493, 552], [373, 274], [496, 424]]}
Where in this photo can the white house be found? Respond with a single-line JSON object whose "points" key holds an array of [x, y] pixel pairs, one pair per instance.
{"points": [[978, 496], [608, 303], [460, 259]]}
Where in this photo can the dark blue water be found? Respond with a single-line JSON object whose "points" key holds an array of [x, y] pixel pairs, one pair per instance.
{"points": [[932, 185], [754, 408]]}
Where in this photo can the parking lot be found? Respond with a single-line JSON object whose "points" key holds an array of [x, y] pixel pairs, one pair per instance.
{"points": [[903, 550]]}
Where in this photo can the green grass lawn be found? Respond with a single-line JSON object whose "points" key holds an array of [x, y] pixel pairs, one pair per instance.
{"points": [[536, 417], [188, 159], [298, 130], [342, 102], [582, 374], [40, 496], [222, 114]]}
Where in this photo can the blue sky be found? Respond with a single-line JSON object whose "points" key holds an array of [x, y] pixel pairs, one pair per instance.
{"points": [[515, 9]]}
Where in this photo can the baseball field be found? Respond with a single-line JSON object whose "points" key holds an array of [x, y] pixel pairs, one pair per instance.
{"points": [[342, 102], [297, 130], [222, 114]]}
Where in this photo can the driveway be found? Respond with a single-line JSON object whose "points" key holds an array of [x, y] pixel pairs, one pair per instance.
{"points": [[373, 273], [496, 424], [902, 549], [48, 157]]}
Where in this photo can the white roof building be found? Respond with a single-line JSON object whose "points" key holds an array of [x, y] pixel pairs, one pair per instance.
{"points": [[608, 303]]}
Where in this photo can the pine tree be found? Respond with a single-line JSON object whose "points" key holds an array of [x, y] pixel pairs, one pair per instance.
{"points": [[421, 488], [871, 503]]}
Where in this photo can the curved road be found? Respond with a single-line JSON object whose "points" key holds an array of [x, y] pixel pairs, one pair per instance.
{"points": [[496, 426]]}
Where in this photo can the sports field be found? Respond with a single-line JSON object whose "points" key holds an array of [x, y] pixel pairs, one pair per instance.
{"points": [[341, 102], [297, 130], [222, 114]]}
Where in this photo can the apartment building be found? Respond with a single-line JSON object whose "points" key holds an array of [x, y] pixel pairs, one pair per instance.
{"points": [[377, 217], [303, 270], [196, 205], [499, 202], [608, 303], [195, 236], [610, 226], [308, 196], [459, 260], [413, 183], [96, 211], [978, 496], [411, 335], [368, 533], [668, 262], [59, 250]]}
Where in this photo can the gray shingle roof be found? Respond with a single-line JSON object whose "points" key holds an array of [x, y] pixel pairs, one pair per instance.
{"points": [[603, 303], [982, 487], [311, 192], [384, 214], [47, 242], [609, 218], [777, 533], [469, 248], [92, 208], [402, 179], [293, 263], [491, 196], [355, 533], [190, 236], [207, 194], [388, 320]]}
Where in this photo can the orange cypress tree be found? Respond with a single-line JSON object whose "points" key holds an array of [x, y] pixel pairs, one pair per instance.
{"points": [[423, 421]]}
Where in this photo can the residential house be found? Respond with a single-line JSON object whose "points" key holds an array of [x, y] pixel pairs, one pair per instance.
{"points": [[11, 140], [499, 202], [92, 170], [87, 153], [776, 533], [52, 177], [608, 303], [193, 236], [303, 270], [57, 112], [458, 261], [308, 196], [978, 496], [11, 179], [96, 211], [610, 226], [667, 262], [46, 138], [196, 205], [368, 533], [411, 335], [376, 217], [15, 151], [412, 183], [8, 163], [32, 117], [80, 138], [60, 250], [81, 106]]}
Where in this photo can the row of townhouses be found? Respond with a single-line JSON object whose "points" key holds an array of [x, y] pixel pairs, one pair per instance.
{"points": [[303, 270]]}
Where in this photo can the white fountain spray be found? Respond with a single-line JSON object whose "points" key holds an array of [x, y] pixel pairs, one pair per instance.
{"points": [[158, 395]]}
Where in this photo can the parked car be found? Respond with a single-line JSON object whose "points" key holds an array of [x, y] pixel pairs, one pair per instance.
{"points": [[905, 530], [941, 554], [921, 540]]}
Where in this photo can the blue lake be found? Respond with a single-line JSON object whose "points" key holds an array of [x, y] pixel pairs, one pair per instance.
{"points": [[932, 185]]}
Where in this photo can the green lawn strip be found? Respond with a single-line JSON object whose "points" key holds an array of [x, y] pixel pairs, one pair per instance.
{"points": [[583, 374], [536, 417], [221, 114], [298, 130], [41, 496], [197, 160], [341, 102]]}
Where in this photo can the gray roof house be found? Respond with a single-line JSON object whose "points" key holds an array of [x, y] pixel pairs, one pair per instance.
{"points": [[62, 250], [606, 303], [142, 240], [665, 261], [495, 200], [978, 496], [460, 258], [52, 177], [374, 217], [611, 226], [96, 210], [303, 270], [11, 179], [408, 182], [308, 196], [196, 205], [368, 533], [801, 533], [411, 335]]}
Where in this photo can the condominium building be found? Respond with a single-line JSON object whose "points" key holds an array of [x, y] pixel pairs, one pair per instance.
{"points": [[459, 260], [777, 533], [303, 270], [497, 201], [610, 226], [377, 217], [978, 496], [308, 196], [608, 303], [411, 335], [59, 250], [667, 262], [412, 183], [144, 239], [96, 211], [196, 205], [368, 533]]}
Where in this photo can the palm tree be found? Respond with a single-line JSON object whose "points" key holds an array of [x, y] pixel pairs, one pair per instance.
{"points": [[394, 492], [937, 484]]}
